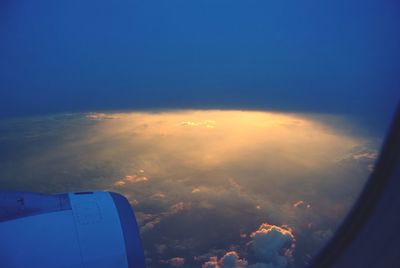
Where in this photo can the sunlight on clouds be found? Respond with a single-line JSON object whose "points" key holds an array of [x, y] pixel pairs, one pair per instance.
{"points": [[196, 190], [291, 139], [246, 165], [230, 260], [119, 183], [270, 242], [130, 179], [205, 123], [218, 174], [175, 262], [367, 155], [271, 245], [148, 222], [136, 178], [158, 195], [301, 204], [103, 116]]}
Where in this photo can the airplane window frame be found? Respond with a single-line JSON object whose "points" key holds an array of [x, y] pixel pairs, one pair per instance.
{"points": [[385, 175]]}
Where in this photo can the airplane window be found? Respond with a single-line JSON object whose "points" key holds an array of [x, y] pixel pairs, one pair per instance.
{"points": [[241, 133]]}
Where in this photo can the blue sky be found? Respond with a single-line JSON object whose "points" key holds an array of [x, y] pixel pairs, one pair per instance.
{"points": [[319, 56]]}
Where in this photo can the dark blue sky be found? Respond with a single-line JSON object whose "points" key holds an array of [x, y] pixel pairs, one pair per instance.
{"points": [[335, 56]]}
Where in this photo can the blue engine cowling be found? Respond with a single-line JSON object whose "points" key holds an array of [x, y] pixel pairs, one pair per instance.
{"points": [[73, 230]]}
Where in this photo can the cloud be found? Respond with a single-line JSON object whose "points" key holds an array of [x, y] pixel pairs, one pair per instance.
{"points": [[149, 221], [212, 263], [178, 207], [158, 195], [205, 123], [119, 183], [365, 156], [301, 204], [130, 179], [175, 262], [103, 116], [136, 178], [230, 260], [322, 235], [233, 183], [210, 255], [133, 202], [230, 173], [293, 122], [272, 244]]}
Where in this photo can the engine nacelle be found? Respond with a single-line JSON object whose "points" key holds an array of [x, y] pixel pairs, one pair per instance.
{"points": [[73, 230]]}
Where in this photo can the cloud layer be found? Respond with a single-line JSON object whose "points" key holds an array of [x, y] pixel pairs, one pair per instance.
{"points": [[202, 183], [230, 260]]}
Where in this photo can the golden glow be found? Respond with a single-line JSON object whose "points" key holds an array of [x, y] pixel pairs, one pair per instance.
{"points": [[264, 161], [210, 139]]}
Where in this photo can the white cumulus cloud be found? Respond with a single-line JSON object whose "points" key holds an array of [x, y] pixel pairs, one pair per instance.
{"points": [[230, 260], [273, 245]]}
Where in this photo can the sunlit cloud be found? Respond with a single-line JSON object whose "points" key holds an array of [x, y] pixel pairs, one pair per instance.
{"points": [[135, 178], [301, 204], [234, 184], [363, 158], [366, 155], [230, 260], [212, 263], [273, 244], [239, 133], [205, 123], [270, 246], [178, 207], [158, 195], [103, 116], [133, 202], [119, 183], [196, 190], [130, 179], [148, 222], [211, 255], [175, 262]]}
